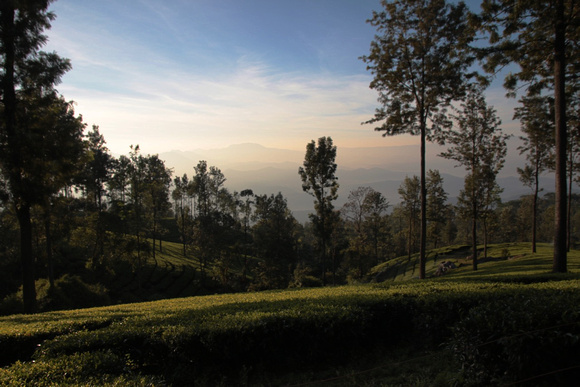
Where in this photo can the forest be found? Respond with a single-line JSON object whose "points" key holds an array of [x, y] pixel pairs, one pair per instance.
{"points": [[70, 212]]}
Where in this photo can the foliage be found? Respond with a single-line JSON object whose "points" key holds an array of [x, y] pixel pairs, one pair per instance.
{"points": [[254, 337], [318, 175], [542, 39], [419, 61], [533, 336]]}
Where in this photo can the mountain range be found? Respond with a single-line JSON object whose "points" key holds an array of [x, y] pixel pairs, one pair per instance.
{"points": [[270, 170]]}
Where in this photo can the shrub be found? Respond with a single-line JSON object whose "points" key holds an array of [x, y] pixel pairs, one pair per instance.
{"points": [[520, 338]]}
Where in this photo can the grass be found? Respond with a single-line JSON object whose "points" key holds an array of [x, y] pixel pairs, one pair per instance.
{"points": [[394, 333], [520, 261]]}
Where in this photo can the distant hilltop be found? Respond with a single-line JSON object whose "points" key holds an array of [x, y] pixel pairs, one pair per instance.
{"points": [[271, 170]]}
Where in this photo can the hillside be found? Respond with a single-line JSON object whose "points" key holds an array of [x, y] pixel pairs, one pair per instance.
{"points": [[463, 328]]}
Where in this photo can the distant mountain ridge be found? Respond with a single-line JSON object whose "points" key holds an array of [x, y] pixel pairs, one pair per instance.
{"points": [[270, 170]]}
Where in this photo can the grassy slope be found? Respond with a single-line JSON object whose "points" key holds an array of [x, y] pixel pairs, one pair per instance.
{"points": [[131, 343], [169, 275], [520, 261]]}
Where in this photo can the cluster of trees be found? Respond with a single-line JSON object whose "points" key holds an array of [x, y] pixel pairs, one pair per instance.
{"points": [[421, 60], [65, 201]]}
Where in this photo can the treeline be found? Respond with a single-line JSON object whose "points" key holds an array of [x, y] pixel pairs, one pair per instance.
{"points": [[69, 207], [110, 216]]}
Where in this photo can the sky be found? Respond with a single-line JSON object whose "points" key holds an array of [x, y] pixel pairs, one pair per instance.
{"points": [[200, 74]]}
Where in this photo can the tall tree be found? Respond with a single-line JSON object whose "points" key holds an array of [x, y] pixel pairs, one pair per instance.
{"points": [[319, 180], [478, 144], [157, 181], [542, 39], [419, 61], [23, 66], [537, 123], [355, 213], [210, 223], [436, 206], [182, 211], [92, 179], [375, 206], [274, 239], [410, 192]]}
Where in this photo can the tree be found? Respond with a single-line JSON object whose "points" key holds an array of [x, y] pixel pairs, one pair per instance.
{"points": [[419, 60], [274, 239], [542, 39], [375, 206], [97, 168], [537, 122], [157, 182], [23, 68], [411, 205], [436, 206], [319, 180], [355, 213], [183, 212], [211, 222], [479, 145]]}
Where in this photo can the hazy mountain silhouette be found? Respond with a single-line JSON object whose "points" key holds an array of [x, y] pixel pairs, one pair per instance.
{"points": [[269, 171]]}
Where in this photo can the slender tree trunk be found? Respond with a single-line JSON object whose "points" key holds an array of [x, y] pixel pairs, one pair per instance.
{"points": [[47, 232], [484, 221], [154, 230], [7, 34], [569, 204], [560, 253], [27, 259], [410, 239], [423, 242], [474, 228], [535, 210]]}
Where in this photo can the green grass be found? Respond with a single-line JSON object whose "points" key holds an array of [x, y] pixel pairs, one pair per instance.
{"points": [[394, 333], [520, 261]]}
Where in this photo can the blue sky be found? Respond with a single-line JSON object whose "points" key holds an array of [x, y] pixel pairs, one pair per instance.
{"points": [[188, 74]]}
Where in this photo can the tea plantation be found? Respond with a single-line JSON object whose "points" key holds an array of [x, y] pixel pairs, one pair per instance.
{"points": [[512, 322]]}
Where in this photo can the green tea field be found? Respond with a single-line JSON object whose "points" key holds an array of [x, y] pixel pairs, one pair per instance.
{"points": [[511, 322]]}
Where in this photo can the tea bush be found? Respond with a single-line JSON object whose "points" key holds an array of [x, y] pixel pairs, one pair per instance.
{"points": [[522, 337], [227, 338]]}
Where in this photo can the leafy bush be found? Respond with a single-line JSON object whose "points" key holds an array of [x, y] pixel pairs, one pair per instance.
{"points": [[520, 338], [234, 337]]}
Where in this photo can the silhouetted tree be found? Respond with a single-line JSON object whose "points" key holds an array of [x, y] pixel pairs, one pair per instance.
{"points": [[24, 70], [411, 206], [319, 180], [542, 39], [479, 145], [419, 60], [274, 241], [436, 206], [537, 123]]}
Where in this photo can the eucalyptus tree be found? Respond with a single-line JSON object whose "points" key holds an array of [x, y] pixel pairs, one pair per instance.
{"points": [[410, 193], [275, 241], [96, 171], [478, 144], [542, 38], [246, 209], [97, 168], [365, 215], [420, 61], [157, 182], [211, 225], [375, 206], [24, 68], [537, 123], [436, 206], [182, 211], [355, 213], [318, 175]]}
